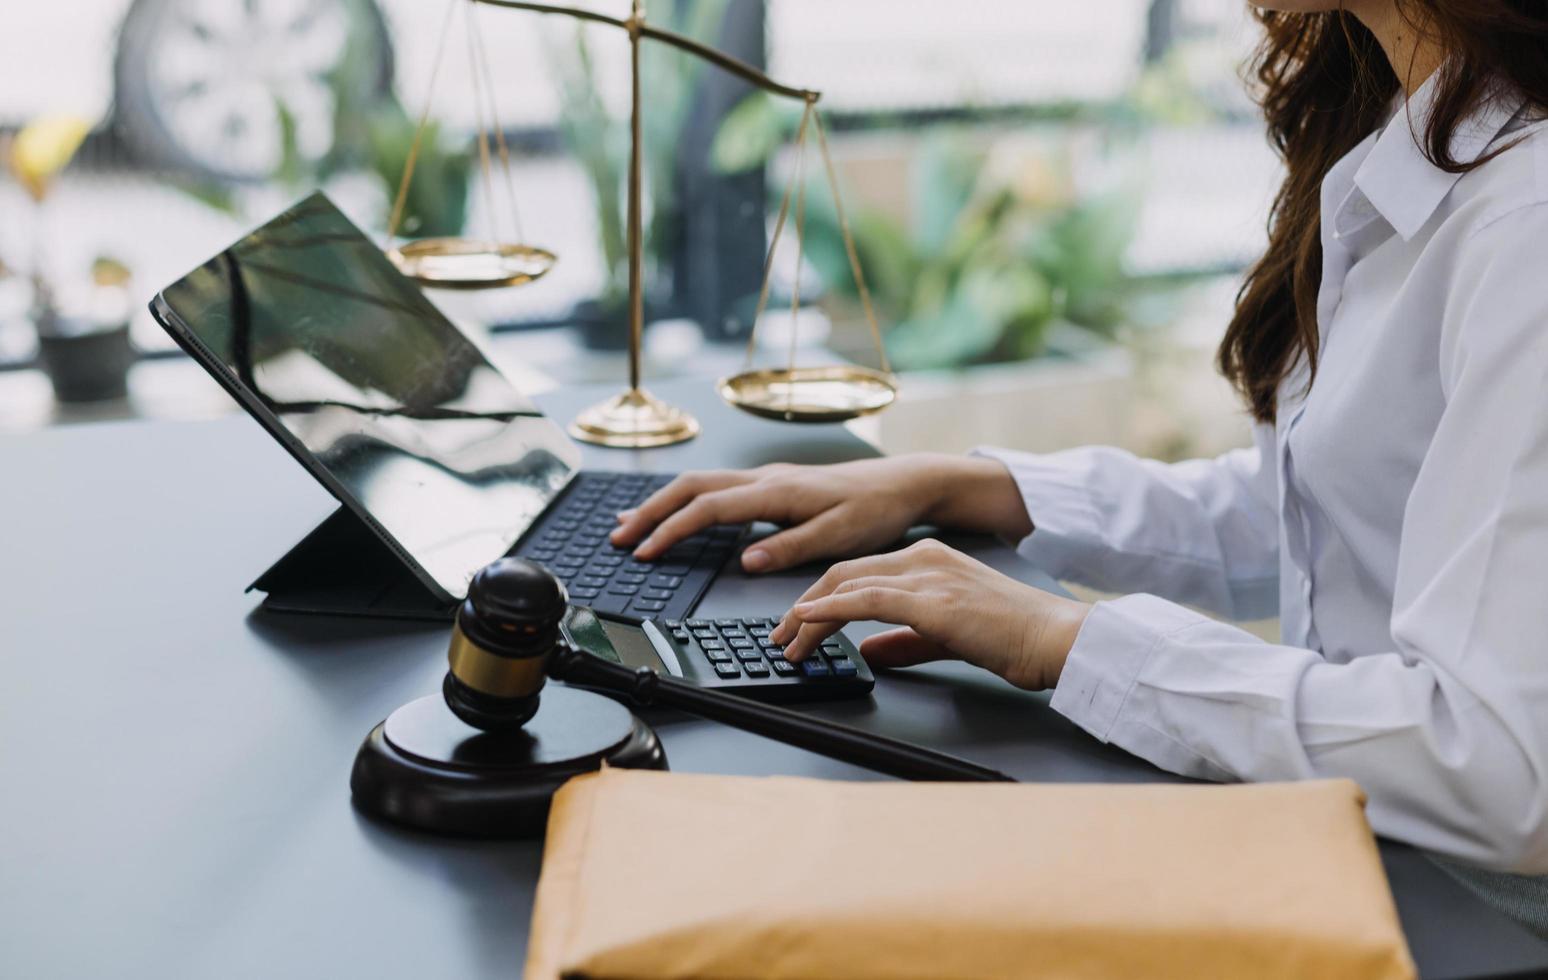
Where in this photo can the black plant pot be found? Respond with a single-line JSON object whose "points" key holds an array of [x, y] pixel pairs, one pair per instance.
{"points": [[88, 367]]}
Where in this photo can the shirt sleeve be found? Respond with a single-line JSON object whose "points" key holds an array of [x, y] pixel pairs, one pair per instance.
{"points": [[1203, 532], [1447, 731]]}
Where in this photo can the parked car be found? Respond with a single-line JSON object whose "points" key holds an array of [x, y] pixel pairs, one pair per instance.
{"points": [[214, 88]]}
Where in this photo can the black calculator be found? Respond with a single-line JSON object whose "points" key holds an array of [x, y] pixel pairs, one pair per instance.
{"points": [[733, 655]]}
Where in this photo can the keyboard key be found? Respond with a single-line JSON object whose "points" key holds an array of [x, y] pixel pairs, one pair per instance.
{"points": [[619, 588], [649, 593], [666, 581], [728, 670], [647, 605], [628, 578], [591, 581]]}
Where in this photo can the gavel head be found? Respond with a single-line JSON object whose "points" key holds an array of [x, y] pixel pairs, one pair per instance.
{"points": [[506, 629]]}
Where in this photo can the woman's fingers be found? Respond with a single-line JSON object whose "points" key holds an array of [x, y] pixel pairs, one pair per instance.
{"points": [[879, 602], [891, 563], [808, 638], [635, 524], [786, 630], [902, 647], [795, 546], [883, 603], [733, 505]]}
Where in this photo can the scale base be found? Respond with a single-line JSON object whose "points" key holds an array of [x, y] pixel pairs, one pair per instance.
{"points": [[635, 419], [425, 768]]}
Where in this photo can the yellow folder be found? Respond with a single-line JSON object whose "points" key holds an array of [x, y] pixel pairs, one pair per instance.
{"points": [[650, 874]]}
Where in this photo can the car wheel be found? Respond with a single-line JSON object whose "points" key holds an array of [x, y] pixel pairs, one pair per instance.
{"points": [[239, 89]]}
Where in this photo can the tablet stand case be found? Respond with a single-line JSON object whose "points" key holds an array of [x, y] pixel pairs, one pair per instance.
{"points": [[342, 568]]}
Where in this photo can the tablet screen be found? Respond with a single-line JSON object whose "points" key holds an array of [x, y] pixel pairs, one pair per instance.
{"points": [[399, 408]]}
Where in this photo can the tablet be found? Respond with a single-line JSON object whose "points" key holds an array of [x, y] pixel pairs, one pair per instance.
{"points": [[382, 398]]}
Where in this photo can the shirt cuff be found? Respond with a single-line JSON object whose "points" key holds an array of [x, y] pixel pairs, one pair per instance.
{"points": [[1109, 654], [1065, 522]]}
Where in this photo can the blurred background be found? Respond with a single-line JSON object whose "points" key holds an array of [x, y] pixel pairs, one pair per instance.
{"points": [[1053, 203]]}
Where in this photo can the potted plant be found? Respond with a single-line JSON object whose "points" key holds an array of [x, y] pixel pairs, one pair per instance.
{"points": [[995, 265], [83, 337]]}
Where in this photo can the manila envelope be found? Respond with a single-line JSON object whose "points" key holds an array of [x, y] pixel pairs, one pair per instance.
{"points": [[654, 874]]}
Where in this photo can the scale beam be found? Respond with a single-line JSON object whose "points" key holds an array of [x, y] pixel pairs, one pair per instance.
{"points": [[733, 65]]}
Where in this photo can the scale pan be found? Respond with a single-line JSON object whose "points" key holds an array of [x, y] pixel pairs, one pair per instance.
{"points": [[465, 263], [814, 394]]}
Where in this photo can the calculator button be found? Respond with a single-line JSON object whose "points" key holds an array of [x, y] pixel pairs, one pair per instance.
{"points": [[833, 649], [717, 656], [844, 668], [774, 653], [784, 668], [751, 656], [727, 670], [759, 669], [696, 623], [655, 594], [681, 636], [814, 667], [728, 622], [619, 588], [712, 644], [740, 643], [648, 605]]}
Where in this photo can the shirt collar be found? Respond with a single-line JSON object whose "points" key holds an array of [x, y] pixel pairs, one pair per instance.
{"points": [[1397, 179]]}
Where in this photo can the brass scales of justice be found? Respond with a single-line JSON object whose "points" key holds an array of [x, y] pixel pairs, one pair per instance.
{"points": [[635, 418]]}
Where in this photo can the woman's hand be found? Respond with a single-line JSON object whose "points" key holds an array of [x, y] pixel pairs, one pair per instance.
{"points": [[949, 607], [842, 509]]}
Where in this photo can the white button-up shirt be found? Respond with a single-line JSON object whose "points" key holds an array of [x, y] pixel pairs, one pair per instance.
{"points": [[1396, 518]]}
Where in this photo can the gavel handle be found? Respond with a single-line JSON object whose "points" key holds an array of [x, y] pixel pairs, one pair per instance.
{"points": [[644, 687]]}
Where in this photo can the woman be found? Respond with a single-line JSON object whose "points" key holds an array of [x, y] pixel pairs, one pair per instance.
{"points": [[1392, 345]]}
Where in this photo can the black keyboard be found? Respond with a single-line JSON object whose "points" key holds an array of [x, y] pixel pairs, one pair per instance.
{"points": [[571, 540], [737, 655]]}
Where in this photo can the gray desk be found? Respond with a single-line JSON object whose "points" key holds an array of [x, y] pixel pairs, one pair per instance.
{"points": [[173, 767]]}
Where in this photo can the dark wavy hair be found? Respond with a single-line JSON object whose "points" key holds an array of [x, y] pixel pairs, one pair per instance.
{"points": [[1324, 85]]}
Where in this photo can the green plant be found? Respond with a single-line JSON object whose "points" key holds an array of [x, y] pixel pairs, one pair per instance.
{"points": [[437, 199], [997, 247]]}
